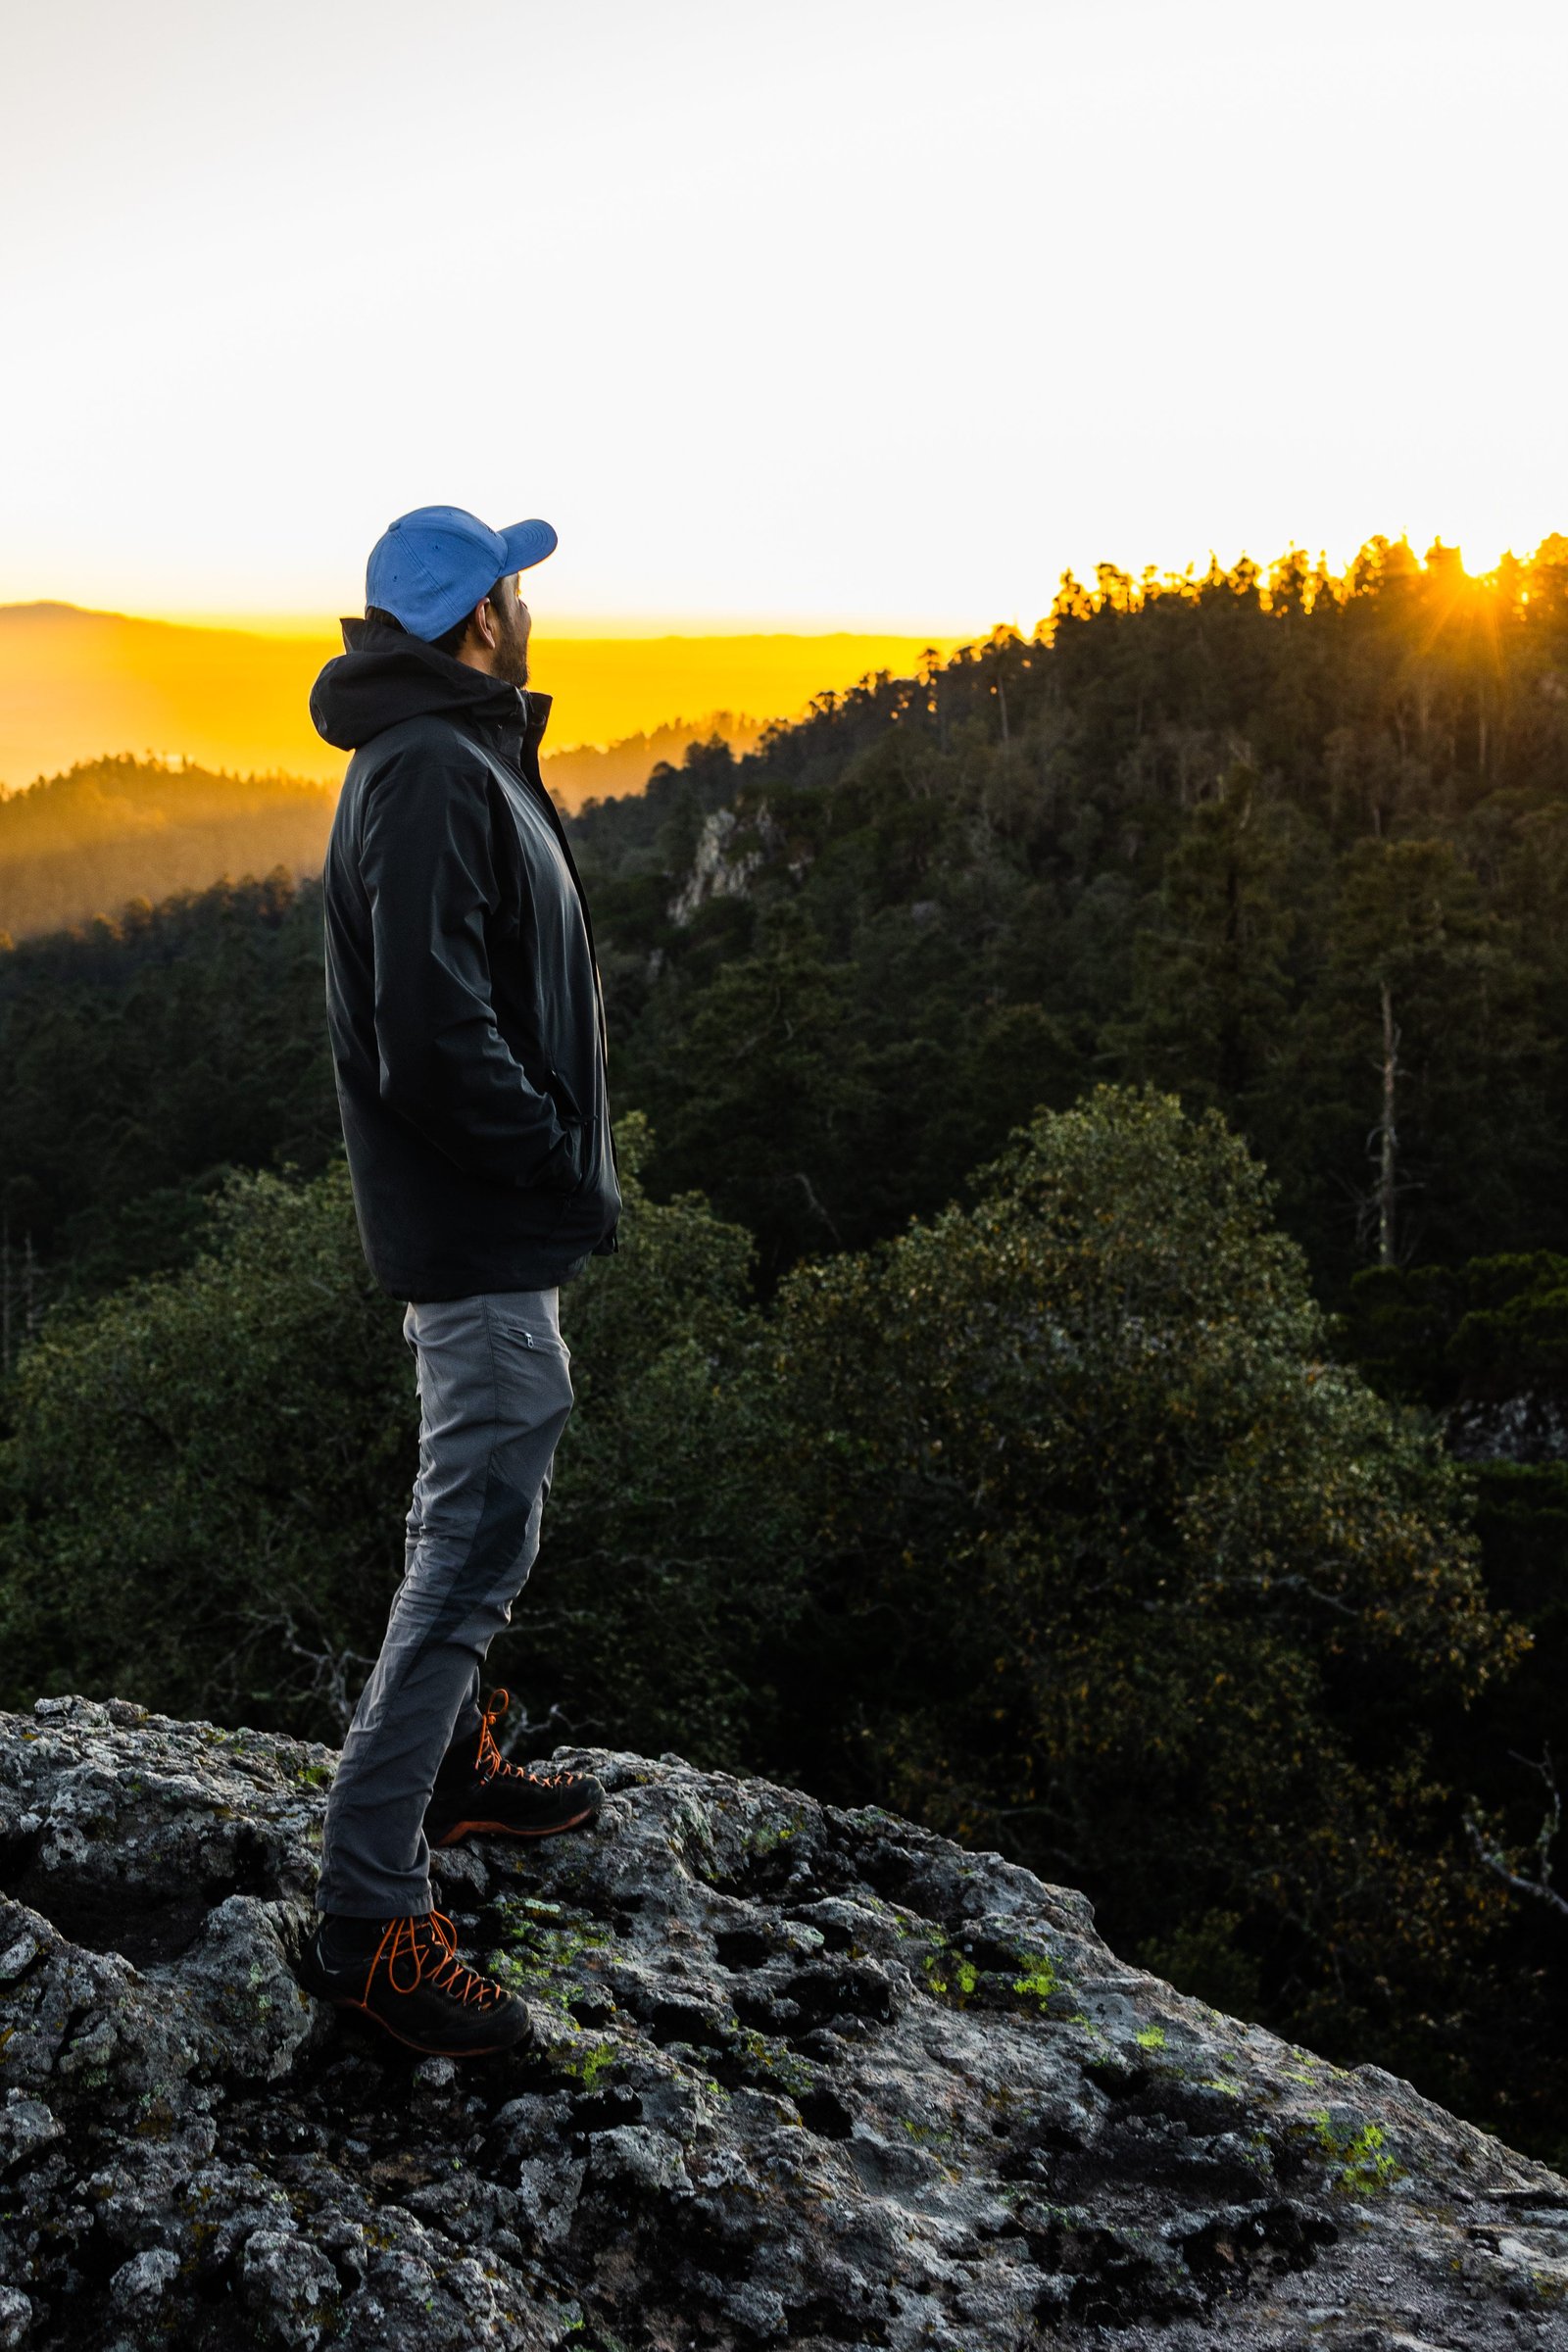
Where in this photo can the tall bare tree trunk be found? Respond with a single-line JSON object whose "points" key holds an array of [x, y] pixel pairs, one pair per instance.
{"points": [[1388, 1138]]}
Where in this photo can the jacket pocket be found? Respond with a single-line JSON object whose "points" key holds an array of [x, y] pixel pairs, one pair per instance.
{"points": [[564, 1100], [580, 1152], [563, 1171], [585, 1153]]}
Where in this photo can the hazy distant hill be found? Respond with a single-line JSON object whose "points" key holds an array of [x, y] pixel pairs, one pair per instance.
{"points": [[133, 724], [76, 685], [591, 774], [86, 843], [111, 830]]}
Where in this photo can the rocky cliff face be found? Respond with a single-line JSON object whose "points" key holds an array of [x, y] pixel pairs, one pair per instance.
{"points": [[800, 2075]]}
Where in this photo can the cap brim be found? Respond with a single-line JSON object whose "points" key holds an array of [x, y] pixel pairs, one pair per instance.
{"points": [[529, 544]]}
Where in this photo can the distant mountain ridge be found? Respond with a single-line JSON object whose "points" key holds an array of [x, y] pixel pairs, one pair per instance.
{"points": [[109, 831], [170, 757], [77, 686], [589, 772]]}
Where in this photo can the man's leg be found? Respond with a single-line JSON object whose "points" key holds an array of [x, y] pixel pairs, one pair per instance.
{"points": [[495, 1393]]}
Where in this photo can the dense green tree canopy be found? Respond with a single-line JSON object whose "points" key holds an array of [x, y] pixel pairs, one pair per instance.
{"points": [[1221, 833], [206, 1476], [1060, 1514], [1224, 834], [1054, 1521], [1121, 1561]]}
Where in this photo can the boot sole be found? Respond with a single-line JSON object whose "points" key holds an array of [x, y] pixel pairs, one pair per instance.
{"points": [[507, 1829]]}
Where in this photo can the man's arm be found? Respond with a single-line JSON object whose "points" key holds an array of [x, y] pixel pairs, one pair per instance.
{"points": [[427, 866]]}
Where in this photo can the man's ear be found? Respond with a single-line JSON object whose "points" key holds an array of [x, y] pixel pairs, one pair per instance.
{"points": [[483, 619]]}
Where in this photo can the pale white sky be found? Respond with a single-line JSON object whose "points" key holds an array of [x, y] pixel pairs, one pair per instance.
{"points": [[809, 312]]}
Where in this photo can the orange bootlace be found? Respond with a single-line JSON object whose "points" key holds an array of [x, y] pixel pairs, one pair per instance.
{"points": [[420, 1939], [490, 1761]]}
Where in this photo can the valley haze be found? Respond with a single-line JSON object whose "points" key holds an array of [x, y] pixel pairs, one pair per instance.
{"points": [[76, 685]]}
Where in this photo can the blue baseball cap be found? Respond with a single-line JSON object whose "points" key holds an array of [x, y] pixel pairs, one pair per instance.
{"points": [[431, 566]]}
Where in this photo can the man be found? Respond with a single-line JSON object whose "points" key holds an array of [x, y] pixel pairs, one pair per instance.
{"points": [[468, 1033]]}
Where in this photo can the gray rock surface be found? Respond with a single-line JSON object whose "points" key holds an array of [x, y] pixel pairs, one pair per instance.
{"points": [[1530, 1429], [801, 2076]]}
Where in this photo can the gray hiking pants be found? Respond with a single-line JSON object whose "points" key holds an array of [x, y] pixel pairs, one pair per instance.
{"points": [[495, 1393]]}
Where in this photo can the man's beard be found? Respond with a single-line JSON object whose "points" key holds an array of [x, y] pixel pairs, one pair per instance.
{"points": [[510, 657]]}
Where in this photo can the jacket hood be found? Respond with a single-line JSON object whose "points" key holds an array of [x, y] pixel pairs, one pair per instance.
{"points": [[386, 676]]}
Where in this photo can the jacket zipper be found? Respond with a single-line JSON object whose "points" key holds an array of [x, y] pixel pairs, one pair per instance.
{"points": [[527, 768]]}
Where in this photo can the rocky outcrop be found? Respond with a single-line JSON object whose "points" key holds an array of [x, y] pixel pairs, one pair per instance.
{"points": [[721, 869], [800, 2075], [1527, 1429]]}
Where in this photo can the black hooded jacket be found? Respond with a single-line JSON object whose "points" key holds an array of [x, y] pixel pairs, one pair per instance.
{"points": [[461, 992]]}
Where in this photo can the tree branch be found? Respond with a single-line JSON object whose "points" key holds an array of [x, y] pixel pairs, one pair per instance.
{"points": [[1498, 1864]]}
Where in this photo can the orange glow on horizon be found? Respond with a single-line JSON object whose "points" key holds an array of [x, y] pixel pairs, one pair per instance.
{"points": [[76, 685]]}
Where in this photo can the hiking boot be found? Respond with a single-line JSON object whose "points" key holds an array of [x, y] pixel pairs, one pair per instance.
{"points": [[405, 1975], [486, 1795]]}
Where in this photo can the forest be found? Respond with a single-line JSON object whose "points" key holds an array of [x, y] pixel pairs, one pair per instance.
{"points": [[112, 830], [1089, 1365]]}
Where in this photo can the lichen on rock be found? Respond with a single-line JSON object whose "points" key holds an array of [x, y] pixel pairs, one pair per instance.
{"points": [[799, 2076]]}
